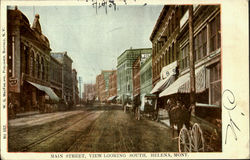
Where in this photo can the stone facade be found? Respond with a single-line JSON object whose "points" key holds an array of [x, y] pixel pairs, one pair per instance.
{"points": [[67, 87], [28, 62], [146, 76], [125, 71], [56, 76]]}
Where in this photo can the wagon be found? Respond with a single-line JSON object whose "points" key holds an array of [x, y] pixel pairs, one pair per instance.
{"points": [[148, 106], [193, 139]]}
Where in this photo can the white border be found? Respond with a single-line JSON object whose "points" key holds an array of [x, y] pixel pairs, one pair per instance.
{"points": [[235, 74]]}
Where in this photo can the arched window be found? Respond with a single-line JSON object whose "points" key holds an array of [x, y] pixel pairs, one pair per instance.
{"points": [[43, 69], [38, 66], [26, 55], [32, 64]]}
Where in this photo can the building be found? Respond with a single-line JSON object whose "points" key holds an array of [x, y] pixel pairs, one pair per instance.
{"points": [[164, 39], [28, 63], [136, 76], [104, 85], [55, 70], [146, 76], [112, 85], [137, 72], [89, 92], [125, 71], [98, 87], [67, 83], [75, 87], [170, 41]]}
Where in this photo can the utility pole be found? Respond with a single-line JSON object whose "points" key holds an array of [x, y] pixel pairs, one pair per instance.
{"points": [[191, 60], [80, 89]]}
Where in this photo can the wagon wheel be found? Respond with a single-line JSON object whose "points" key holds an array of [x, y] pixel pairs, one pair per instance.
{"points": [[184, 140], [197, 139]]}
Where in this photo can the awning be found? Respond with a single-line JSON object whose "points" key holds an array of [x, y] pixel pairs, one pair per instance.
{"points": [[47, 90], [167, 77], [181, 85], [111, 98], [162, 84]]}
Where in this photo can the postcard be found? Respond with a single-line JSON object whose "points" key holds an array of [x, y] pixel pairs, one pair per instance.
{"points": [[124, 79]]}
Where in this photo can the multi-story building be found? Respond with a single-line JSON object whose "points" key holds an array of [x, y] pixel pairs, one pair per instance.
{"points": [[28, 63], [98, 86], [89, 92], [55, 69], [170, 41], [146, 76], [75, 87], [125, 71], [102, 85], [112, 85], [136, 76], [164, 40], [67, 85]]}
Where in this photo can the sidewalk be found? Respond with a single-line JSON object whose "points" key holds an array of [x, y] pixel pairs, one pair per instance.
{"points": [[163, 117], [30, 113]]}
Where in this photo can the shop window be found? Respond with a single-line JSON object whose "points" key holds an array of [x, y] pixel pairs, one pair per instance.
{"points": [[184, 59], [215, 39], [215, 84]]}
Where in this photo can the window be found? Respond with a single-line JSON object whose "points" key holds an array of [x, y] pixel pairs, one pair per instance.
{"points": [[215, 84], [200, 44], [32, 64], [184, 55], [173, 47], [26, 54], [215, 34]]}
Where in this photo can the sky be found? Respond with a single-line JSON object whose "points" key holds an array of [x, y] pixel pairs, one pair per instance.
{"points": [[94, 41]]}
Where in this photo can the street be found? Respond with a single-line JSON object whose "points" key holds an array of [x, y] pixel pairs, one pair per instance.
{"points": [[97, 128]]}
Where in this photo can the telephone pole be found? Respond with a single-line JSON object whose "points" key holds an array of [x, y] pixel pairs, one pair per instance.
{"points": [[80, 90], [191, 60]]}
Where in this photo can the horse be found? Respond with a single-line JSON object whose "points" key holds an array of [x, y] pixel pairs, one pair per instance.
{"points": [[178, 115]]}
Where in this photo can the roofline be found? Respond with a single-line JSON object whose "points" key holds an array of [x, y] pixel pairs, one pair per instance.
{"points": [[162, 15], [134, 50]]}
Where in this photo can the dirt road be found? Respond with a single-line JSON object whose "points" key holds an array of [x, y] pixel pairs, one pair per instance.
{"points": [[89, 129]]}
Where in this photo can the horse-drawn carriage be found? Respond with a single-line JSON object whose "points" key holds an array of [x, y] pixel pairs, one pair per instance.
{"points": [[190, 128], [147, 106]]}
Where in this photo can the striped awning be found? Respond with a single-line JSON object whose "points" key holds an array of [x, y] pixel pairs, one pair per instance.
{"points": [[182, 84], [200, 83]]}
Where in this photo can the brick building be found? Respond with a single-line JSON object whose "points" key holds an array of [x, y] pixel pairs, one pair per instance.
{"points": [[28, 63], [103, 85], [75, 87], [67, 86], [170, 41], [98, 86], [89, 92], [136, 76], [112, 85]]}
